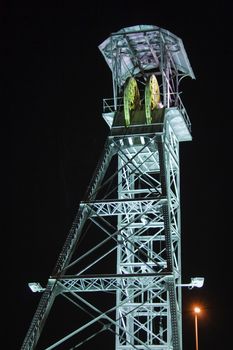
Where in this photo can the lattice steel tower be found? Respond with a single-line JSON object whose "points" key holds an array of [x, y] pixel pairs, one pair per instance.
{"points": [[131, 212]]}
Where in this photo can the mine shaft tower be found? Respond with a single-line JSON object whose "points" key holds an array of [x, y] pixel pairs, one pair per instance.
{"points": [[131, 209]]}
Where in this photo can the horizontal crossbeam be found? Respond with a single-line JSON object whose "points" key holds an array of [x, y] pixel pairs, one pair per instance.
{"points": [[111, 282], [125, 207]]}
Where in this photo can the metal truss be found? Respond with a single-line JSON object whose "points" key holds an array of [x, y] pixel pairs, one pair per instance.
{"points": [[132, 206], [160, 243], [143, 224]]}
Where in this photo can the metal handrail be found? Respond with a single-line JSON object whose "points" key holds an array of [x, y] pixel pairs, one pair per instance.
{"points": [[109, 107]]}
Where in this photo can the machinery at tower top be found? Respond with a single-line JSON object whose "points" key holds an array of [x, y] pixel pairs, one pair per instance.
{"points": [[147, 64]]}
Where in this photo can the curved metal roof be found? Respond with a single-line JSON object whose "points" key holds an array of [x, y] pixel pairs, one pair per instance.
{"points": [[138, 48]]}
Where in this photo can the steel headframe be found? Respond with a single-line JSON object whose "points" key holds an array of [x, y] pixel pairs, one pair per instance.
{"points": [[134, 200]]}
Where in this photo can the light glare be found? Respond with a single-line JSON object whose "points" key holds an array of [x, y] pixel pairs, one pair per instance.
{"points": [[197, 310]]}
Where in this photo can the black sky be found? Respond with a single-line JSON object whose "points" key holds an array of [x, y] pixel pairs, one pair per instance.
{"points": [[54, 80]]}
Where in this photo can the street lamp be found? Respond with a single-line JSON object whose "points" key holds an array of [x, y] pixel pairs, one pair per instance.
{"points": [[197, 310]]}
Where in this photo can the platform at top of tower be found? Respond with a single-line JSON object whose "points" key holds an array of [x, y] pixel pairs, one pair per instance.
{"points": [[175, 117], [140, 48]]}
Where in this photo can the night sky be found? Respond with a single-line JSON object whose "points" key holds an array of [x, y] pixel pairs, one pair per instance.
{"points": [[54, 80]]}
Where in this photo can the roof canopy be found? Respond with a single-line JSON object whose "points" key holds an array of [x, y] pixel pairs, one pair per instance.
{"points": [[139, 48]]}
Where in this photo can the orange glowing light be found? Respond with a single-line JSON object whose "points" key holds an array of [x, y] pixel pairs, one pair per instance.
{"points": [[197, 310]]}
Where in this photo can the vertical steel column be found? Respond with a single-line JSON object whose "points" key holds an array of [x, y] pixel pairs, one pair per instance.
{"points": [[151, 244]]}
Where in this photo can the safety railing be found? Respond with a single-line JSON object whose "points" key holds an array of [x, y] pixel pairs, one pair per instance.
{"points": [[111, 106]]}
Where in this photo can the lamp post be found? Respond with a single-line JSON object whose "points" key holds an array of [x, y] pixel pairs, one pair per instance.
{"points": [[197, 310]]}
